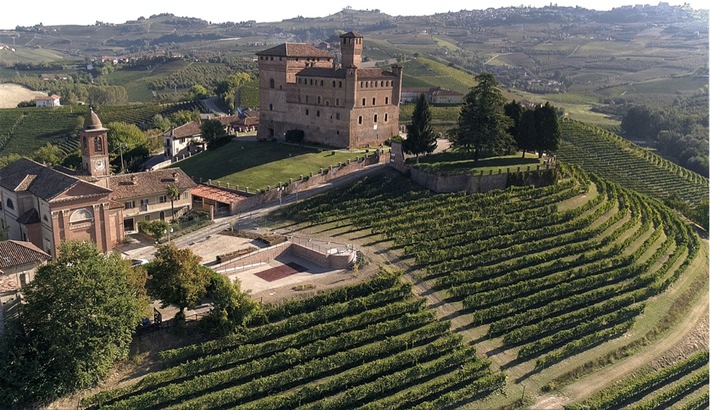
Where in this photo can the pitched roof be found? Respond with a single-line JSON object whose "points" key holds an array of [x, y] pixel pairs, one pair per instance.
{"points": [[16, 253], [322, 72], [40, 180], [142, 184], [294, 50], [187, 130], [31, 216]]}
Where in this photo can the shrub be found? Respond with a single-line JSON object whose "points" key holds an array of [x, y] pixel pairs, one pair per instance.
{"points": [[295, 136]]}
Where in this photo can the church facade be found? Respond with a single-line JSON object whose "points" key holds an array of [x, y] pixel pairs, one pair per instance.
{"points": [[346, 106], [46, 206]]}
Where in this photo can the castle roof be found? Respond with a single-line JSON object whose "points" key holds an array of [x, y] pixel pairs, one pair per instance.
{"points": [[351, 34], [362, 73], [294, 50]]}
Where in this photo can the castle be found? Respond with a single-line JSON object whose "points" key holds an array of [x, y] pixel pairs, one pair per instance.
{"points": [[301, 89]]}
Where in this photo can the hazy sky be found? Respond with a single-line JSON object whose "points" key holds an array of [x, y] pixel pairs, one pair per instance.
{"points": [[59, 12]]}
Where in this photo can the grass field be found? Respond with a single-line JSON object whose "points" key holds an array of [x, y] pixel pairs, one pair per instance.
{"points": [[257, 165]]}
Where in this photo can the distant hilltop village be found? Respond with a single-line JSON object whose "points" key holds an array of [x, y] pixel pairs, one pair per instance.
{"points": [[305, 95]]}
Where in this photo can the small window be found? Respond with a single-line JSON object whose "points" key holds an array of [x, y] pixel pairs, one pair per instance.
{"points": [[340, 84], [163, 199], [359, 119], [9, 204], [363, 101], [311, 81], [306, 98], [272, 83], [387, 100], [337, 115], [318, 100], [375, 118], [321, 83], [373, 101], [318, 113], [306, 111], [385, 117], [129, 204], [337, 101], [271, 107], [333, 83]]}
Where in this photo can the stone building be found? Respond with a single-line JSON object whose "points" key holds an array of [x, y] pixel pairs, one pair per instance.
{"points": [[346, 106], [46, 206]]}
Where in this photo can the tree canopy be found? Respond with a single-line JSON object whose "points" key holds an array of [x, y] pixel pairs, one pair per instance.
{"points": [[214, 134], [177, 277], [482, 122], [77, 320], [420, 135]]}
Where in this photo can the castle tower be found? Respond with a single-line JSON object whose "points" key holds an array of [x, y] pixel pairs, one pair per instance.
{"points": [[351, 49], [94, 147]]}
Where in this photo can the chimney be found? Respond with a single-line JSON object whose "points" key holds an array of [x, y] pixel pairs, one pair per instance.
{"points": [[133, 179], [175, 176]]}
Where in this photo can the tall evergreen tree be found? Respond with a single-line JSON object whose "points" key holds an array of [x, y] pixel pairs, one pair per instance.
{"points": [[547, 128], [420, 136], [527, 131], [482, 122]]}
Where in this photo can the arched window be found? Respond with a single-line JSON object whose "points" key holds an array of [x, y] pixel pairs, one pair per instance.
{"points": [[81, 215], [9, 203], [272, 83], [359, 119], [385, 117], [98, 144]]}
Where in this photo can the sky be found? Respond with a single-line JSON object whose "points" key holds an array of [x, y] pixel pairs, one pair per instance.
{"points": [[82, 12]]}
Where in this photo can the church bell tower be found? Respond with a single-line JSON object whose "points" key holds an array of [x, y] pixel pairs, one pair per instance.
{"points": [[94, 147]]}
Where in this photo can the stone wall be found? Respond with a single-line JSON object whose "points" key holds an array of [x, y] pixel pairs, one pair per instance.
{"points": [[477, 182]]}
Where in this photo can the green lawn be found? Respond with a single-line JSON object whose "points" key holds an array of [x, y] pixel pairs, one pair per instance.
{"points": [[257, 165], [462, 163]]}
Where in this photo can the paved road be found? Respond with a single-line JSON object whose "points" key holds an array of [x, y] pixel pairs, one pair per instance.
{"points": [[250, 218]]}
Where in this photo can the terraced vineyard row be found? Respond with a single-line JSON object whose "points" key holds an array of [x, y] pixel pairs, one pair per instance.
{"points": [[372, 345], [624, 163], [539, 274], [24, 130]]}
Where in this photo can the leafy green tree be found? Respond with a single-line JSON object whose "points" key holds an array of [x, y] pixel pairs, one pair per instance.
{"points": [[161, 123], [214, 134], [183, 117], [77, 320], [127, 144], [49, 155], [8, 159], [231, 308], [482, 122], [420, 136], [173, 193], [177, 277], [547, 129], [228, 89]]}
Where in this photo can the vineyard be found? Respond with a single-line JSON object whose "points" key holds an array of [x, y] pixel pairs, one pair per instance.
{"points": [[618, 160], [24, 130], [544, 281], [372, 345]]}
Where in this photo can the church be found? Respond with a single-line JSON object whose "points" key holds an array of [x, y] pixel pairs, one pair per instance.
{"points": [[302, 90], [46, 206]]}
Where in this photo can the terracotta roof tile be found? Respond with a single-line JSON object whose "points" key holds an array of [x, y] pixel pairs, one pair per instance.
{"points": [[142, 184], [190, 129], [16, 253], [294, 50]]}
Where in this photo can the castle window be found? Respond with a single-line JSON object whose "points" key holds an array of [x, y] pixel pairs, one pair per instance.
{"points": [[387, 100], [385, 117], [271, 107], [337, 115], [359, 120], [363, 101], [340, 84], [318, 113], [333, 83], [306, 98], [373, 101], [9, 204], [382, 83], [361, 85], [375, 119], [311, 81], [81, 215], [318, 100], [327, 103], [337, 101], [306, 111], [272, 83], [321, 83]]}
